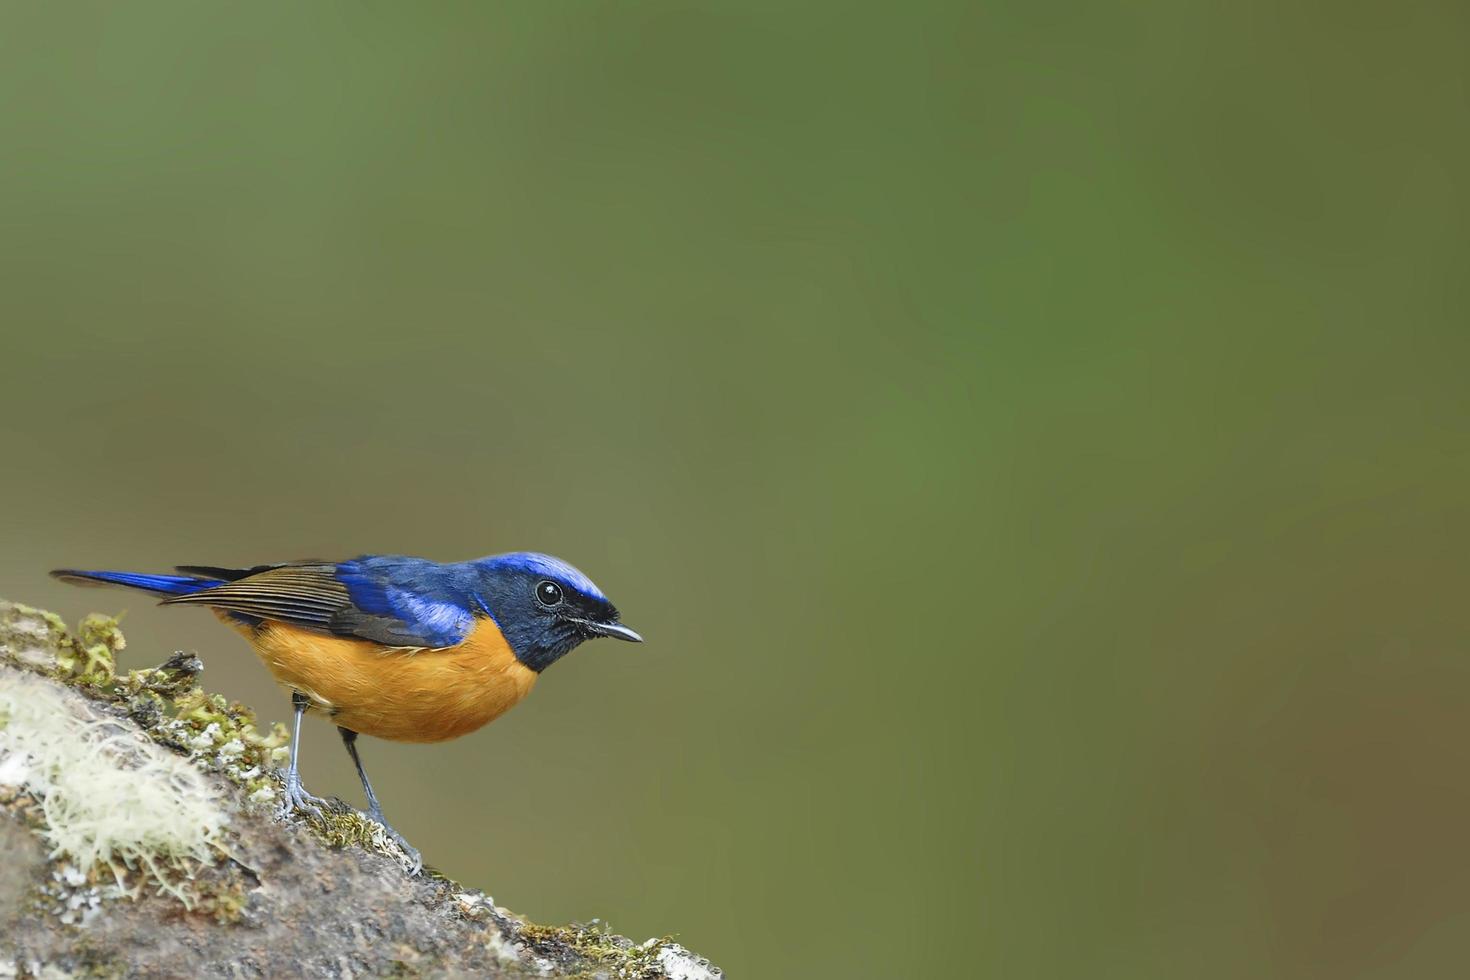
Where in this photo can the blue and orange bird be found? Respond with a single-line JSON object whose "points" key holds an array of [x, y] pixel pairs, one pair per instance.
{"points": [[401, 648]]}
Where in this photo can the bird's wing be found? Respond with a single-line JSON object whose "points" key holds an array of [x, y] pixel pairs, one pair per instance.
{"points": [[396, 602]]}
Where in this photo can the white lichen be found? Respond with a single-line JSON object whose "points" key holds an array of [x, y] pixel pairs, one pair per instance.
{"points": [[71, 898], [206, 738], [680, 964], [108, 796], [501, 948]]}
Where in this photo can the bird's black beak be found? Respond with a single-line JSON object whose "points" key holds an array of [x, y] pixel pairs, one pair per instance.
{"points": [[615, 630]]}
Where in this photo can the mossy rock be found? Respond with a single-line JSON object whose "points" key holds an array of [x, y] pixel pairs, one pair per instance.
{"points": [[216, 881]]}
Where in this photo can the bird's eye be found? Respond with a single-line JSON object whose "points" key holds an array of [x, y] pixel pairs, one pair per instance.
{"points": [[548, 593]]}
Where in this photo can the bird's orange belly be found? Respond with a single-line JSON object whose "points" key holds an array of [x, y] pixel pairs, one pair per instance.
{"points": [[403, 695]]}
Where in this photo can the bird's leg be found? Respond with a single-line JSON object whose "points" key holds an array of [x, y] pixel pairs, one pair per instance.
{"points": [[375, 809], [297, 798]]}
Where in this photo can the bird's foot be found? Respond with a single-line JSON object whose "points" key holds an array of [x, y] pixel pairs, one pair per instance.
{"points": [[415, 860], [297, 799]]}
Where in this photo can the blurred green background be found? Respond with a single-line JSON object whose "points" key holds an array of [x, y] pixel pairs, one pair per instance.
{"points": [[1033, 438]]}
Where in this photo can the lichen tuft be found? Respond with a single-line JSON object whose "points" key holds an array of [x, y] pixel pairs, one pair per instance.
{"points": [[107, 799]]}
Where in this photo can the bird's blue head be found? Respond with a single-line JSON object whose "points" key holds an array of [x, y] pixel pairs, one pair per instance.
{"points": [[544, 607]]}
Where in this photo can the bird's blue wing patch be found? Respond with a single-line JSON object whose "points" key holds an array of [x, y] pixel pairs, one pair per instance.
{"points": [[405, 601]]}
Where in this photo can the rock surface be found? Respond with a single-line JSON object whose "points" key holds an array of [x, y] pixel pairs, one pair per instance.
{"points": [[102, 875]]}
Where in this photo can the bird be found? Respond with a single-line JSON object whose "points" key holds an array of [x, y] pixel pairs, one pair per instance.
{"points": [[393, 646]]}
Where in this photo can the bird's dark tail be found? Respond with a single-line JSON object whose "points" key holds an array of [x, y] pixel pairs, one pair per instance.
{"points": [[157, 584]]}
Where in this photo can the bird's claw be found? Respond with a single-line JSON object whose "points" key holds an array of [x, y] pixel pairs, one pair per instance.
{"points": [[297, 799]]}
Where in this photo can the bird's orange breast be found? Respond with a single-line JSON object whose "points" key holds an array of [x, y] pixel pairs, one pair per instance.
{"points": [[400, 694]]}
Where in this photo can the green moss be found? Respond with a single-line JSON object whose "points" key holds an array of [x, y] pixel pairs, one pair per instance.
{"points": [[224, 902], [605, 953], [99, 641], [88, 659], [401, 969], [36, 640], [341, 826], [54, 622], [87, 959]]}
